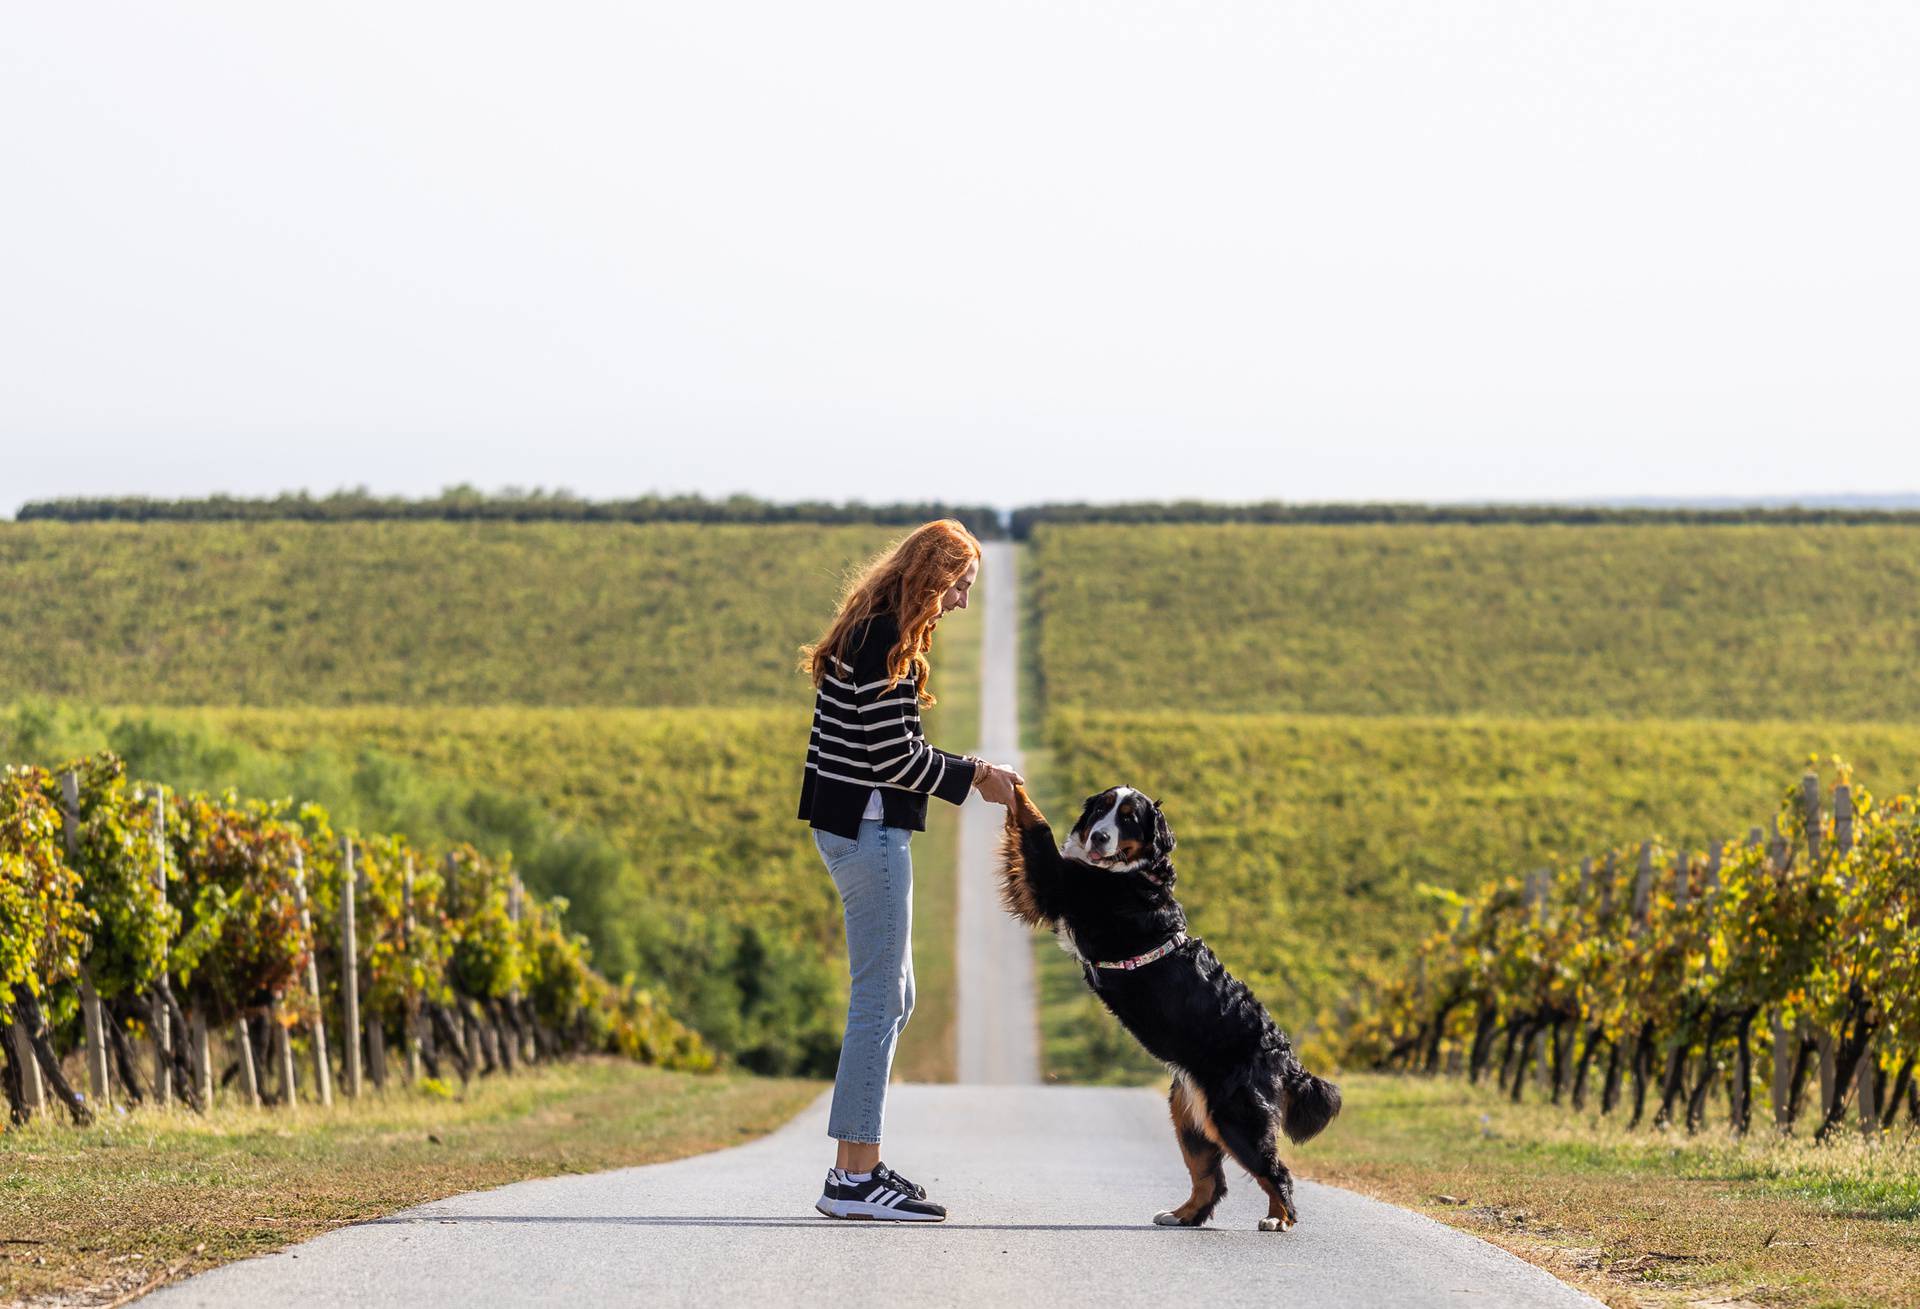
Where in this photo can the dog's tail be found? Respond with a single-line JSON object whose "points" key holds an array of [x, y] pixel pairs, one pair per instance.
{"points": [[1311, 1103]]}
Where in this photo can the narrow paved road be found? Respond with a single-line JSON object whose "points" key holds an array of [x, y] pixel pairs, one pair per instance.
{"points": [[999, 1043], [1053, 1189]]}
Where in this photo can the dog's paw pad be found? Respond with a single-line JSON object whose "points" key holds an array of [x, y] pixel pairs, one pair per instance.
{"points": [[1168, 1219], [1274, 1224]]}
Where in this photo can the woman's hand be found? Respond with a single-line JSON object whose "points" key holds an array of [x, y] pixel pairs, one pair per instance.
{"points": [[996, 783]]}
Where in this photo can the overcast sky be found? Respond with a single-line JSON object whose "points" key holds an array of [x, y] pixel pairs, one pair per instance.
{"points": [[981, 251]]}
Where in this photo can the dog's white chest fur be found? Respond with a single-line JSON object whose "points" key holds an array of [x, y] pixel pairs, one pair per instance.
{"points": [[1063, 936]]}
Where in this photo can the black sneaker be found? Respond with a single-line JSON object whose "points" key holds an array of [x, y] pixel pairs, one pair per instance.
{"points": [[885, 1196]]}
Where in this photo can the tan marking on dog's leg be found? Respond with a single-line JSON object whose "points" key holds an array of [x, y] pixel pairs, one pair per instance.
{"points": [[1198, 1113], [1188, 1108]]}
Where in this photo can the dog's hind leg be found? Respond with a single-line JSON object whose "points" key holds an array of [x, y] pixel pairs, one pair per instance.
{"points": [[1202, 1152], [1250, 1129]]}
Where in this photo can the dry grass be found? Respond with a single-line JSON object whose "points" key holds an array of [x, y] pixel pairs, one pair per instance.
{"points": [[90, 1216], [1643, 1218]]}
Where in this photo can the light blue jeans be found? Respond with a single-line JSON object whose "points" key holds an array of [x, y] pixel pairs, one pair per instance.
{"points": [[874, 875]]}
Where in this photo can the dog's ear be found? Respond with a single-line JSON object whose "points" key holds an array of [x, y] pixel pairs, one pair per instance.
{"points": [[1163, 841]]}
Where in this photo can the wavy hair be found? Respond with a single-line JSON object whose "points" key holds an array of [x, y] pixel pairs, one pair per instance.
{"points": [[906, 580]]}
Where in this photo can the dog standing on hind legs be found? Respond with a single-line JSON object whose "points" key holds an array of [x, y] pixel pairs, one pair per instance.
{"points": [[1107, 893]]}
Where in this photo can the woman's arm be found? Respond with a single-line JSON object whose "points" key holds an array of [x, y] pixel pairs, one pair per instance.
{"points": [[890, 721]]}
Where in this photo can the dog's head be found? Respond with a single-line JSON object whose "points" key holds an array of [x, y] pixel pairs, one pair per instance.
{"points": [[1120, 830]]}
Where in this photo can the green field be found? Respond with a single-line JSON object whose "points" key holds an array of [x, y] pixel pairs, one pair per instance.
{"points": [[1304, 840], [619, 705], [1808, 623], [669, 828], [416, 613], [1337, 716]]}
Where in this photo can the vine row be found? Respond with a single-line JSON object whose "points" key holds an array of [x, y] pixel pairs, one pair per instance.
{"points": [[1652, 969], [135, 916]]}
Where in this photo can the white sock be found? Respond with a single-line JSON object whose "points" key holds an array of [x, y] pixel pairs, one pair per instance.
{"points": [[855, 1178]]}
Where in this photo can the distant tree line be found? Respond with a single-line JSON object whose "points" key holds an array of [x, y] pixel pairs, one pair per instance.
{"points": [[517, 504], [512, 504], [1024, 520]]}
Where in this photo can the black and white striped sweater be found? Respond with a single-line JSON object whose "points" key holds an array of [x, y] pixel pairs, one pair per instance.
{"points": [[866, 736]]}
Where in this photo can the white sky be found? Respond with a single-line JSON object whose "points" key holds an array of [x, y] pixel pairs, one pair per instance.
{"points": [[982, 251]]}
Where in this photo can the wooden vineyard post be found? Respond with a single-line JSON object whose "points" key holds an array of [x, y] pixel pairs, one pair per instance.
{"points": [[249, 1075], [412, 1016], [92, 1020], [377, 1052], [21, 1052], [1822, 1037], [1643, 888], [1862, 1073], [162, 1019], [1455, 1056], [1776, 1025], [1677, 1060], [322, 1069], [515, 894], [1533, 896], [200, 1056], [283, 1056], [349, 969], [467, 1029]]}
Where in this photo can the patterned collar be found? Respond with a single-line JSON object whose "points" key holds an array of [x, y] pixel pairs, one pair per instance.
{"points": [[1142, 960]]}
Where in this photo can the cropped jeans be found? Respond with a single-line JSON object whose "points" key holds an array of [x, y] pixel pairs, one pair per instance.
{"points": [[874, 874]]}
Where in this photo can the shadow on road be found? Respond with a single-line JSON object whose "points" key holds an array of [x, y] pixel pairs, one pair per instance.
{"points": [[822, 1224]]}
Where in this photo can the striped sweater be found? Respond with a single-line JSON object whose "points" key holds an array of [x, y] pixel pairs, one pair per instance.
{"points": [[867, 737]]}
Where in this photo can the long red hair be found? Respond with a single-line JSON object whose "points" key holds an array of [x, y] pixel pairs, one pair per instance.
{"points": [[906, 580]]}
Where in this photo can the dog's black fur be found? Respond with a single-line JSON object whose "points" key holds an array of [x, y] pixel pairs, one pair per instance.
{"points": [[1109, 894]]}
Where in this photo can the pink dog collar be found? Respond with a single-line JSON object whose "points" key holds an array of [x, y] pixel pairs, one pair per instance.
{"points": [[1142, 960]]}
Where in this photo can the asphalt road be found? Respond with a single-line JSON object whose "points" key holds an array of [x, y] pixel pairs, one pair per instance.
{"points": [[1052, 1192]]}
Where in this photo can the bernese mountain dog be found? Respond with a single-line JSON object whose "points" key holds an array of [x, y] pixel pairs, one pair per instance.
{"points": [[1108, 895]]}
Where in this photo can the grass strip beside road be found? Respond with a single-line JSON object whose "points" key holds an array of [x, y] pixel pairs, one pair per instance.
{"points": [[1635, 1218], [89, 1216]]}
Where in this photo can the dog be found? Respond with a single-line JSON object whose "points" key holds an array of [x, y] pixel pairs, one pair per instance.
{"points": [[1108, 895]]}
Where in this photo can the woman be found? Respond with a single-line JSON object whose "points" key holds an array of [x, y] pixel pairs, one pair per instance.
{"points": [[869, 772]]}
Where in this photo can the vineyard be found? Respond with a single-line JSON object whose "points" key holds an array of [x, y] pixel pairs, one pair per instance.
{"points": [[265, 956], [1305, 841], [1808, 623], [1659, 972], [415, 613], [669, 832], [1341, 715], [615, 703]]}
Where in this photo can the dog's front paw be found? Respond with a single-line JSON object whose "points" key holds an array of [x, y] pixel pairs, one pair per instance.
{"points": [[1279, 1221]]}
